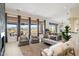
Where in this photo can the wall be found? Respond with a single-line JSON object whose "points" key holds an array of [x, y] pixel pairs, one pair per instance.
{"points": [[2, 23], [74, 19], [74, 22], [59, 21]]}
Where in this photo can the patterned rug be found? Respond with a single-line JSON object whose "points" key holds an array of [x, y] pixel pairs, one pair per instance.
{"points": [[33, 49]]}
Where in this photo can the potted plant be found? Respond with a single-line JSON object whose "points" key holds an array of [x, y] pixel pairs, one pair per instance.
{"points": [[66, 33]]}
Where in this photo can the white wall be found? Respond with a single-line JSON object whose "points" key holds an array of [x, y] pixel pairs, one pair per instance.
{"points": [[74, 18], [58, 21]]}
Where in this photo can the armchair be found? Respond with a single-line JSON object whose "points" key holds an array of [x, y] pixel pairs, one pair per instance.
{"points": [[34, 39], [23, 40]]}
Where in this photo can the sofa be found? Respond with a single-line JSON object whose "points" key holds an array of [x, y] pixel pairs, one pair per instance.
{"points": [[59, 49], [51, 39]]}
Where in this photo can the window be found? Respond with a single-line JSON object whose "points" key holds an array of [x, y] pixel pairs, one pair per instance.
{"points": [[11, 28], [53, 27], [33, 30], [24, 29]]}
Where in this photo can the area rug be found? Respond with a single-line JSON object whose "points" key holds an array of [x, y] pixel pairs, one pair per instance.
{"points": [[33, 49]]}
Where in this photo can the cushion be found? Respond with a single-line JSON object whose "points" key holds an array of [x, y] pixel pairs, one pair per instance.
{"points": [[49, 41], [46, 36], [34, 36], [56, 49], [52, 37], [23, 38]]}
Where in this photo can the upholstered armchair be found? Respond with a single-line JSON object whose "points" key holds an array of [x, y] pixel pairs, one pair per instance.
{"points": [[23, 40], [34, 39]]}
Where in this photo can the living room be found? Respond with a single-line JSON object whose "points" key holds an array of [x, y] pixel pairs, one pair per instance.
{"points": [[44, 29]]}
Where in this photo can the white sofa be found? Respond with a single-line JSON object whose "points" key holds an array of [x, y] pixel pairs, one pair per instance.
{"points": [[58, 49], [49, 41]]}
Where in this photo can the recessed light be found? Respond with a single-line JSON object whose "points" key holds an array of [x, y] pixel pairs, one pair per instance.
{"points": [[65, 7]]}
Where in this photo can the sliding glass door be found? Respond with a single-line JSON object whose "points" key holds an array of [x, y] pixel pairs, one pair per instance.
{"points": [[24, 27], [33, 29], [53, 28], [11, 32]]}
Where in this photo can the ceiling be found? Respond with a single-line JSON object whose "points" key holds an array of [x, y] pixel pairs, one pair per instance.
{"points": [[48, 10], [13, 20]]}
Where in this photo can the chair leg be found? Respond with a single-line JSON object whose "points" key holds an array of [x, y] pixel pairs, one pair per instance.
{"points": [[73, 51]]}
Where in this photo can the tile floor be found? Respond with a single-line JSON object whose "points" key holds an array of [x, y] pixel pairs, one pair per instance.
{"points": [[12, 49]]}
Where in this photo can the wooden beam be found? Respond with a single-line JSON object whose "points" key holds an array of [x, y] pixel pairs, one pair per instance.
{"points": [[6, 40], [18, 27], [29, 27], [14, 20], [38, 27]]}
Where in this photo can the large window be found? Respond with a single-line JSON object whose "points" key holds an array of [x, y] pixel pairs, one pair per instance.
{"points": [[53, 28], [11, 29], [11, 32], [34, 30], [24, 27]]}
